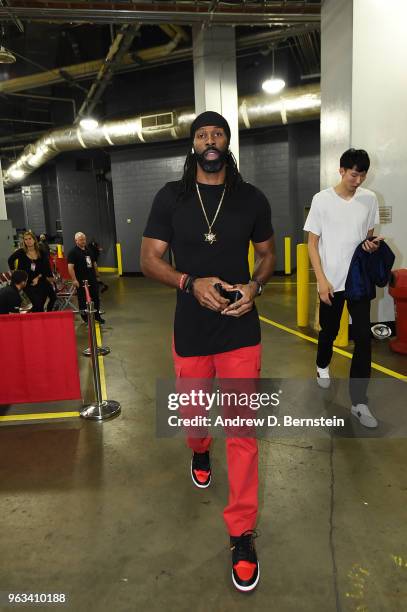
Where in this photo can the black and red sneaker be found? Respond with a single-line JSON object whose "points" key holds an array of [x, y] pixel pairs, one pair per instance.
{"points": [[245, 567], [201, 470]]}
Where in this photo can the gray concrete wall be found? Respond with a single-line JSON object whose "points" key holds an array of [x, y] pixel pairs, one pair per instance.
{"points": [[264, 161], [34, 208], [85, 207], [137, 175], [15, 209], [52, 207], [306, 136], [284, 164]]}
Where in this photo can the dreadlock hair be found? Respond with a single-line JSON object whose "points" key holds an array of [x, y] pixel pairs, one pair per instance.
{"points": [[232, 179]]}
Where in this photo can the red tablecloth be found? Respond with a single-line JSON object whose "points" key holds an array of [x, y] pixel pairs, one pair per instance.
{"points": [[38, 358]]}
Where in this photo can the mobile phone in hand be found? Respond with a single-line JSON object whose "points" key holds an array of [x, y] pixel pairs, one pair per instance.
{"points": [[232, 296]]}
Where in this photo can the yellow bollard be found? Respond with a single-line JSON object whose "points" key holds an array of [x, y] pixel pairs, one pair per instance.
{"points": [[302, 285], [251, 258], [287, 255], [342, 339], [59, 251], [119, 259]]}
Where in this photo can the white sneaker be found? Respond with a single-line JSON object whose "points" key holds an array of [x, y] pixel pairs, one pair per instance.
{"points": [[366, 418], [323, 378]]}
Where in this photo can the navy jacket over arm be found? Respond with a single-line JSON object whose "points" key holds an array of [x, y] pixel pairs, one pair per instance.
{"points": [[368, 270]]}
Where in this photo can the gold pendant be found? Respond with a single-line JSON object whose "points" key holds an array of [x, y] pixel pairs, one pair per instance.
{"points": [[210, 237]]}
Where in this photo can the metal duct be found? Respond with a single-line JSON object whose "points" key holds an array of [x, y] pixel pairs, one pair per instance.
{"points": [[297, 104]]}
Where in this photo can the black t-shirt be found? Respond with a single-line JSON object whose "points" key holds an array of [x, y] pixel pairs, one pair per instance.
{"points": [[94, 249], [33, 267], [10, 299], [245, 215], [83, 261]]}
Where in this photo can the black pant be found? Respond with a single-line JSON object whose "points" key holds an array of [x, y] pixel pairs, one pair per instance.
{"points": [[94, 294], [329, 320], [49, 292], [38, 294], [37, 297]]}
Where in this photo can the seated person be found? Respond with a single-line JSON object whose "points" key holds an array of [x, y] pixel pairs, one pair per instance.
{"points": [[10, 298]]}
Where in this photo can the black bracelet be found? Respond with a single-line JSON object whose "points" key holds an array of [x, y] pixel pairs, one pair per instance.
{"points": [[189, 284], [260, 286]]}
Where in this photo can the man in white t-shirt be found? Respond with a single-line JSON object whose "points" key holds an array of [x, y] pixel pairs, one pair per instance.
{"points": [[340, 219]]}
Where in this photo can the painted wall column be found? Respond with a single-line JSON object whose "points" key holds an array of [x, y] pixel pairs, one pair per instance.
{"points": [[214, 54]]}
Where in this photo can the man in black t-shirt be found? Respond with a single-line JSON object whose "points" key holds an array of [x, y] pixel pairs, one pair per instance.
{"points": [[208, 219], [81, 267], [10, 299]]}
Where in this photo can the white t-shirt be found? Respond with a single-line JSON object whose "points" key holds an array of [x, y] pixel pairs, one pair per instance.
{"points": [[341, 225]]}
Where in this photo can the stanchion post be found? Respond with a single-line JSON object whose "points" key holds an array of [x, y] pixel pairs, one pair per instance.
{"points": [[100, 350], [287, 255], [95, 360], [302, 285], [101, 409]]}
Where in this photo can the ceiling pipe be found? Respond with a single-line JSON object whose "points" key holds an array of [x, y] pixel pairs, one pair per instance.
{"points": [[114, 57], [148, 55], [161, 51], [22, 136], [14, 120], [199, 11], [5, 4], [172, 30], [87, 69], [12, 148], [47, 98], [297, 104]]}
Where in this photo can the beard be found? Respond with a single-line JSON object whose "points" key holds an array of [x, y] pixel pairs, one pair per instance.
{"points": [[211, 165]]}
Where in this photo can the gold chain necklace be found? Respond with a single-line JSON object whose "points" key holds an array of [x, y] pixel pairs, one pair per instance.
{"points": [[210, 236]]}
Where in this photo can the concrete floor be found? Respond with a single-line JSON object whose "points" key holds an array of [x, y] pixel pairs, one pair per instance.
{"points": [[107, 513]]}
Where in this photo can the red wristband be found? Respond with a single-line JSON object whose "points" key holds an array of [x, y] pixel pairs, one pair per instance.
{"points": [[182, 281]]}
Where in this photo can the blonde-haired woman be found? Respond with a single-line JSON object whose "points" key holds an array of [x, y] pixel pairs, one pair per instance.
{"points": [[33, 260]]}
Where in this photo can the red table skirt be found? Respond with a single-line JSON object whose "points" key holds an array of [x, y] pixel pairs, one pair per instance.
{"points": [[38, 358]]}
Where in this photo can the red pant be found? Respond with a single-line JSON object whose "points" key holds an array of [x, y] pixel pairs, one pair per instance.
{"points": [[242, 455]]}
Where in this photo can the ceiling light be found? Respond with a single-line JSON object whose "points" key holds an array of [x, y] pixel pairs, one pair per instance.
{"points": [[88, 123], [17, 173], [6, 57], [273, 86]]}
